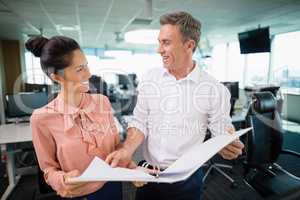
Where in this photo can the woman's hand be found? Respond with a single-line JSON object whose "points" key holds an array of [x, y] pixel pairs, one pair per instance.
{"points": [[71, 189]]}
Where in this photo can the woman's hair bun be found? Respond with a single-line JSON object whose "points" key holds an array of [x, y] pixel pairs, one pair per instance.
{"points": [[35, 45]]}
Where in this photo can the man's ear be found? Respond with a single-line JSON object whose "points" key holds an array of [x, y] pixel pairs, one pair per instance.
{"points": [[57, 78], [191, 44]]}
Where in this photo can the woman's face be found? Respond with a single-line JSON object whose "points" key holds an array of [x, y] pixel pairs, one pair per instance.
{"points": [[76, 76]]}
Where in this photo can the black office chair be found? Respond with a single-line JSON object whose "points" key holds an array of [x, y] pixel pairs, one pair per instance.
{"points": [[263, 146], [44, 190], [43, 187]]}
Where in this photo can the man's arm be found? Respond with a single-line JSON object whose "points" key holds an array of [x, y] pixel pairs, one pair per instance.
{"points": [[123, 155], [220, 121]]}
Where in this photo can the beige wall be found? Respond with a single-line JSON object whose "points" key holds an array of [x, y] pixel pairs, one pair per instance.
{"points": [[10, 70], [2, 86], [12, 64]]}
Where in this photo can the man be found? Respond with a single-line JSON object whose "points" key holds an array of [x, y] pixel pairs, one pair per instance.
{"points": [[176, 105]]}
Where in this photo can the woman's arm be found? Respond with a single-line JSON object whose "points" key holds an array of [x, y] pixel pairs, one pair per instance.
{"points": [[45, 148]]}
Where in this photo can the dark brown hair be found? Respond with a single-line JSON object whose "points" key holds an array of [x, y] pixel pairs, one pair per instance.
{"points": [[190, 28], [55, 53]]}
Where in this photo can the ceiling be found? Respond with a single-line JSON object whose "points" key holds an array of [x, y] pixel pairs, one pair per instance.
{"points": [[93, 23]]}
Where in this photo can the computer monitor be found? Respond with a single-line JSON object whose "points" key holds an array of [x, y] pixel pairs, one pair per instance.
{"points": [[123, 81], [133, 79], [128, 105], [30, 87], [23, 104], [97, 85], [233, 88]]}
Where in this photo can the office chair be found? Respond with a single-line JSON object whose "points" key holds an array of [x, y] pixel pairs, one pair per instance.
{"points": [[218, 167], [263, 146], [43, 187], [44, 191]]}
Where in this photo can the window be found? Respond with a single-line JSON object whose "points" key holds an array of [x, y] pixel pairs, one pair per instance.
{"points": [[236, 62], [228, 63], [286, 62], [107, 66], [34, 72], [219, 62], [257, 69]]}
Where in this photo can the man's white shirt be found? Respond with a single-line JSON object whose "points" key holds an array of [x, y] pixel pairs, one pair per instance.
{"points": [[175, 114]]}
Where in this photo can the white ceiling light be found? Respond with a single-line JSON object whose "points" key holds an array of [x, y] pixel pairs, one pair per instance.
{"points": [[68, 28], [144, 36], [117, 53]]}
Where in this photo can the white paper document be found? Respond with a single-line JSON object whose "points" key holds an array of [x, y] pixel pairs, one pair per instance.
{"points": [[180, 170]]}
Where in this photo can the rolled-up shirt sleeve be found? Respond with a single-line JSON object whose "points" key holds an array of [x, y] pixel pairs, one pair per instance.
{"points": [[45, 149], [219, 113], [141, 110]]}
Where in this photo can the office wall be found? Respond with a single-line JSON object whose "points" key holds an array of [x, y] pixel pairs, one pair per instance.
{"points": [[291, 106], [2, 86], [22, 62], [12, 65]]}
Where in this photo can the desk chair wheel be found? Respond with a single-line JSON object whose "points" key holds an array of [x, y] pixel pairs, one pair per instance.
{"points": [[233, 185]]}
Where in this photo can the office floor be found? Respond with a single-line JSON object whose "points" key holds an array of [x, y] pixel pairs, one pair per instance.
{"points": [[217, 187]]}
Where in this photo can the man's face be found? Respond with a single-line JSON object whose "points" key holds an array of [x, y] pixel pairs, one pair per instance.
{"points": [[171, 47]]}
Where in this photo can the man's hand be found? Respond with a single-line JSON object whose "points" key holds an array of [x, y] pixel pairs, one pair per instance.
{"points": [[121, 157], [148, 171], [132, 165], [233, 150]]}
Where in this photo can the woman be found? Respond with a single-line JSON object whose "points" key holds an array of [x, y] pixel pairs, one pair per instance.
{"points": [[76, 126]]}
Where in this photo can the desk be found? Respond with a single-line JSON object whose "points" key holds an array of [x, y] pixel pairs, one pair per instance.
{"points": [[239, 116], [12, 133]]}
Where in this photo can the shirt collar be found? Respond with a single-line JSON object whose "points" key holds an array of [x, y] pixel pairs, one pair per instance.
{"points": [[58, 105], [70, 113], [194, 75]]}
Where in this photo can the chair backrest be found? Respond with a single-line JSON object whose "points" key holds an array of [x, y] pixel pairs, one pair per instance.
{"points": [[264, 141]]}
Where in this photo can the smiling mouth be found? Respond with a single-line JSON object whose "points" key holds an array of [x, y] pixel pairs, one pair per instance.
{"points": [[85, 82], [165, 58]]}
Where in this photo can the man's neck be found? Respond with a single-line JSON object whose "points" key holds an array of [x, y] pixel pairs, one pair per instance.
{"points": [[182, 71]]}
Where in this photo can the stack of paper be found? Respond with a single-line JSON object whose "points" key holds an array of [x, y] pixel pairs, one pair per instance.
{"points": [[180, 170]]}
